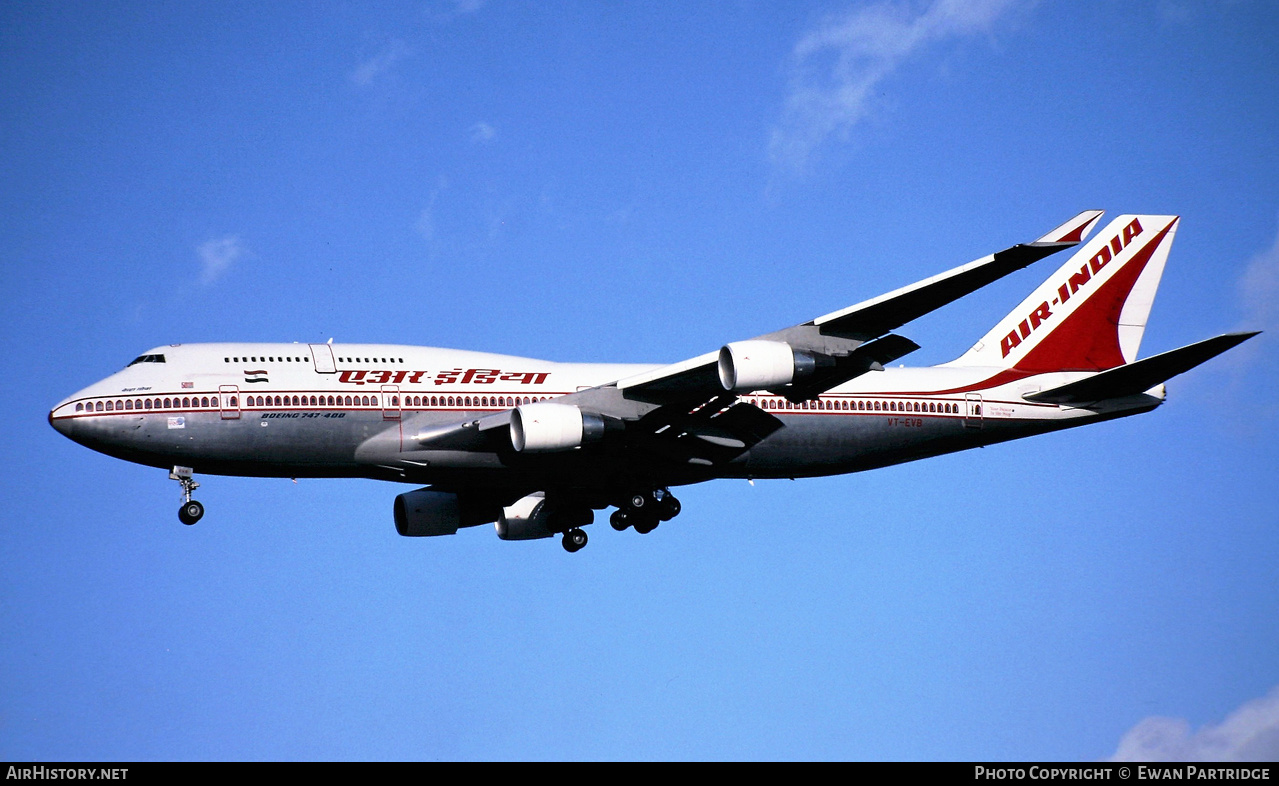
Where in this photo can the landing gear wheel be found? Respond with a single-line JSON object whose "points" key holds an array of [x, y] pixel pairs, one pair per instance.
{"points": [[619, 520], [638, 501], [646, 524], [190, 512], [668, 508], [574, 540]]}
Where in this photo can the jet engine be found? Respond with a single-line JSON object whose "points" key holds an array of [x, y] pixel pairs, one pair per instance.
{"points": [[545, 427], [426, 512], [531, 517], [526, 519], [762, 365]]}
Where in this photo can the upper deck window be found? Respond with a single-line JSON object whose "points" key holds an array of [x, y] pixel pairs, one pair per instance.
{"points": [[147, 359]]}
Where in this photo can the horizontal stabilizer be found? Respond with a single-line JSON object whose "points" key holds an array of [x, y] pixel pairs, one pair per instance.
{"points": [[1139, 376]]}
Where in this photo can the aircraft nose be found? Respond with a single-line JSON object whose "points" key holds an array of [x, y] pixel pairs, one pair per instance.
{"points": [[60, 424]]}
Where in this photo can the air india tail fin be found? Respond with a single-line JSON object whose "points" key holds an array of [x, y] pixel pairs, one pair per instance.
{"points": [[1090, 315]]}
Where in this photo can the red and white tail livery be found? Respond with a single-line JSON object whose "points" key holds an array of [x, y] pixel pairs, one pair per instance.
{"points": [[1090, 315]]}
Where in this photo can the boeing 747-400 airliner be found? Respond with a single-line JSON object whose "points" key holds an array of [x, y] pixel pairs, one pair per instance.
{"points": [[535, 446]]}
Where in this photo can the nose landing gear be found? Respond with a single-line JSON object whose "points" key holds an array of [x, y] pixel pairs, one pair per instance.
{"points": [[191, 511]]}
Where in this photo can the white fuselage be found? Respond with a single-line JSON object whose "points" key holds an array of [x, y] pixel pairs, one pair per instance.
{"points": [[294, 410]]}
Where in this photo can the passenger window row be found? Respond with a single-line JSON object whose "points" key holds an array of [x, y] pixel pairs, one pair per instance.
{"points": [[193, 402], [204, 402], [283, 359], [313, 401], [859, 405], [470, 401]]}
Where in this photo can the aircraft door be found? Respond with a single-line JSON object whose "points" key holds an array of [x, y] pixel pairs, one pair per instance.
{"points": [[229, 401], [972, 410], [323, 356], [390, 402]]}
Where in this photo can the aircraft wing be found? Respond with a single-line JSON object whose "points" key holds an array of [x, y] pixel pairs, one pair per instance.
{"points": [[471, 434], [703, 433], [687, 412], [851, 337], [877, 316]]}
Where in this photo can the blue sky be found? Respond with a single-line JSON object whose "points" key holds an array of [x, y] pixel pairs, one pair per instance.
{"points": [[639, 183]]}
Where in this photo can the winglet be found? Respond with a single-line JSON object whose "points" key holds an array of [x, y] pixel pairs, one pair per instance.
{"points": [[1073, 231]]}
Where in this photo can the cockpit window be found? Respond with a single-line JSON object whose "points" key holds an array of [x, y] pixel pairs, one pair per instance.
{"points": [[147, 359]]}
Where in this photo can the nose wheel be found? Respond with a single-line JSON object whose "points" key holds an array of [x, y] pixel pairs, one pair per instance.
{"points": [[191, 511]]}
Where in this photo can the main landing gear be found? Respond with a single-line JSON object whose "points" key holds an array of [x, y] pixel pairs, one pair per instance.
{"points": [[574, 540], [569, 519], [191, 511], [644, 511]]}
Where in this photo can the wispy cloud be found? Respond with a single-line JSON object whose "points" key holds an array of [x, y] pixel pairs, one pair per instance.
{"points": [[1250, 733], [1259, 290], [426, 223], [482, 133], [837, 67], [217, 255], [448, 10], [381, 63]]}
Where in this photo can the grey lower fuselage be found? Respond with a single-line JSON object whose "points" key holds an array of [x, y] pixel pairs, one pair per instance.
{"points": [[359, 415]]}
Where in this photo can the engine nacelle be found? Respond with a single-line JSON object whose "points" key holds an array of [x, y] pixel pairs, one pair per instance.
{"points": [[525, 520], [545, 427], [424, 513], [762, 365]]}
